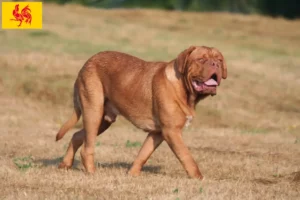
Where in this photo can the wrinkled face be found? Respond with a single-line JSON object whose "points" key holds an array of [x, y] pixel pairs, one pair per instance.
{"points": [[203, 69]]}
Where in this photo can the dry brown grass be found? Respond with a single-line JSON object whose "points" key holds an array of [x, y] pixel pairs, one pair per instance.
{"points": [[245, 140]]}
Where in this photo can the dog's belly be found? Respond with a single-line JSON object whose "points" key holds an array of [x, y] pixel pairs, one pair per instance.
{"points": [[141, 120], [138, 117], [144, 124]]}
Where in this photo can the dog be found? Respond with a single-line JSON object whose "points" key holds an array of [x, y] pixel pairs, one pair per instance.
{"points": [[157, 97]]}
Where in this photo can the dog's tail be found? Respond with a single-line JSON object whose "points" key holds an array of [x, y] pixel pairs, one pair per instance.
{"points": [[69, 124], [74, 118]]}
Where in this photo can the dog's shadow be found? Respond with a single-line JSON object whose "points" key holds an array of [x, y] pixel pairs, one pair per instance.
{"points": [[55, 162], [125, 165], [114, 165]]}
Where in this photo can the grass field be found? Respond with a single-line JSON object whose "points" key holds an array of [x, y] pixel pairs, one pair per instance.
{"points": [[246, 140]]}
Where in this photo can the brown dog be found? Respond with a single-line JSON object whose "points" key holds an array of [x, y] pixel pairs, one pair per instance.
{"points": [[157, 97]]}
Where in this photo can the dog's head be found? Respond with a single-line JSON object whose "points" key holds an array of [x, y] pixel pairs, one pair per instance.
{"points": [[202, 69]]}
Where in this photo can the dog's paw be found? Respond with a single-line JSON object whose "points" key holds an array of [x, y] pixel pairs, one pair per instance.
{"points": [[63, 165], [134, 173]]}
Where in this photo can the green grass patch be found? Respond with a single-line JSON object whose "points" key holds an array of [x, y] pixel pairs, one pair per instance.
{"points": [[24, 163], [40, 33], [200, 190], [176, 190], [254, 131], [130, 144]]}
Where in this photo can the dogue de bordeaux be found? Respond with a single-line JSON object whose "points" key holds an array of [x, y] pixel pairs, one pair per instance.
{"points": [[157, 97]]}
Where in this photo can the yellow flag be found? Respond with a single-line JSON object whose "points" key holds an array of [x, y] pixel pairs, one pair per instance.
{"points": [[22, 15]]}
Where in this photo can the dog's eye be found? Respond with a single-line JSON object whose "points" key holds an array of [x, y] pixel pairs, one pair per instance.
{"points": [[220, 60], [201, 59]]}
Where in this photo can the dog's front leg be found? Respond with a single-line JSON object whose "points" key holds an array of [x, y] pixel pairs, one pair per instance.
{"points": [[174, 139], [152, 141]]}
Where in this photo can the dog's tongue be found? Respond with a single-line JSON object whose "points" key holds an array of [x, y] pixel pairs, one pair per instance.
{"points": [[211, 82]]}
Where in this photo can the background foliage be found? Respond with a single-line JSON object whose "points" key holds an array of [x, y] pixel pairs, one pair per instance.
{"points": [[285, 8]]}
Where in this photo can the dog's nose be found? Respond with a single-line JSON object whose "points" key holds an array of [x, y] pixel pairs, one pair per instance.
{"points": [[214, 64]]}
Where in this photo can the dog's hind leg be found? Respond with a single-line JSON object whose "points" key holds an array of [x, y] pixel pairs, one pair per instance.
{"points": [[76, 142], [152, 141], [92, 106]]}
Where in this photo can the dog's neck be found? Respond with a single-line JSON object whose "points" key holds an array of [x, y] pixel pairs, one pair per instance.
{"points": [[181, 86]]}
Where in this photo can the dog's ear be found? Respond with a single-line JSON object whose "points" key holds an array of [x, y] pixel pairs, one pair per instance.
{"points": [[224, 65], [182, 58], [224, 69]]}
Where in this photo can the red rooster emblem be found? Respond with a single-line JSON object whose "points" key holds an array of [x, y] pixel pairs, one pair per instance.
{"points": [[25, 14]]}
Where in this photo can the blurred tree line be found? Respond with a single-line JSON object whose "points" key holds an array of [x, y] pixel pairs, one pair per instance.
{"points": [[285, 8]]}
